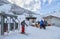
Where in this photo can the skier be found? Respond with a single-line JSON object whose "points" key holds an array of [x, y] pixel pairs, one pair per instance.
{"points": [[41, 24], [45, 24], [23, 26]]}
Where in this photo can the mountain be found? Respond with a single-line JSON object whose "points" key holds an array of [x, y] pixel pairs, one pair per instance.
{"points": [[4, 2]]}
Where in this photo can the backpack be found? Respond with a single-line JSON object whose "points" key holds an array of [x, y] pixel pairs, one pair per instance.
{"points": [[22, 23]]}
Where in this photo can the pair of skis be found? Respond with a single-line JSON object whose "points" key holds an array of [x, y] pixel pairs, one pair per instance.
{"points": [[25, 34]]}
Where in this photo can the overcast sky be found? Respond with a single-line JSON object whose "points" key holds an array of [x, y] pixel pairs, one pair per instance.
{"points": [[40, 6]]}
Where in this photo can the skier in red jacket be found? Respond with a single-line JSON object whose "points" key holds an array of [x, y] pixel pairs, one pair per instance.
{"points": [[23, 26]]}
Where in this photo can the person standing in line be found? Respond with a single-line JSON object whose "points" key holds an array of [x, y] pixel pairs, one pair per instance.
{"points": [[23, 27], [41, 24], [45, 24]]}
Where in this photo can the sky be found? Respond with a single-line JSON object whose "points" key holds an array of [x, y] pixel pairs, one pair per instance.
{"points": [[50, 8], [39, 6]]}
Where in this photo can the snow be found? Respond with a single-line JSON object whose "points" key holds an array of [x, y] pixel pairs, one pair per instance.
{"points": [[51, 32], [5, 8], [32, 5]]}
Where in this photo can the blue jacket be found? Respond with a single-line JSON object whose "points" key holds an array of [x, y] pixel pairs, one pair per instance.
{"points": [[41, 22]]}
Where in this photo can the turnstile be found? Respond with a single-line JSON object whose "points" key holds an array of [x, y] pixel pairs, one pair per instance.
{"points": [[5, 27], [16, 26], [11, 26]]}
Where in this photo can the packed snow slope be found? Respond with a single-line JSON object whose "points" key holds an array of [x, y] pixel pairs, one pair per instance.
{"points": [[51, 32]]}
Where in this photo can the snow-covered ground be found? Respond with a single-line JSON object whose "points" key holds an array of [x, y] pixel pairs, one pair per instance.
{"points": [[51, 32]]}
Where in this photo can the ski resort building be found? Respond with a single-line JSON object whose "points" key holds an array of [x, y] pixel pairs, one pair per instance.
{"points": [[53, 19], [7, 22]]}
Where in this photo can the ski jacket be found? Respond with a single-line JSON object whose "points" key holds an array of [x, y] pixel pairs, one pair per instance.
{"points": [[23, 23], [41, 22]]}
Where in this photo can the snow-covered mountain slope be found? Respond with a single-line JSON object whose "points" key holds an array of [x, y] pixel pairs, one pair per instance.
{"points": [[27, 4], [4, 2], [39, 6], [51, 32], [5, 8]]}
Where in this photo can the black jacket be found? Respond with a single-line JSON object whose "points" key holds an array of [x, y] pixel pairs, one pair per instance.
{"points": [[23, 23]]}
